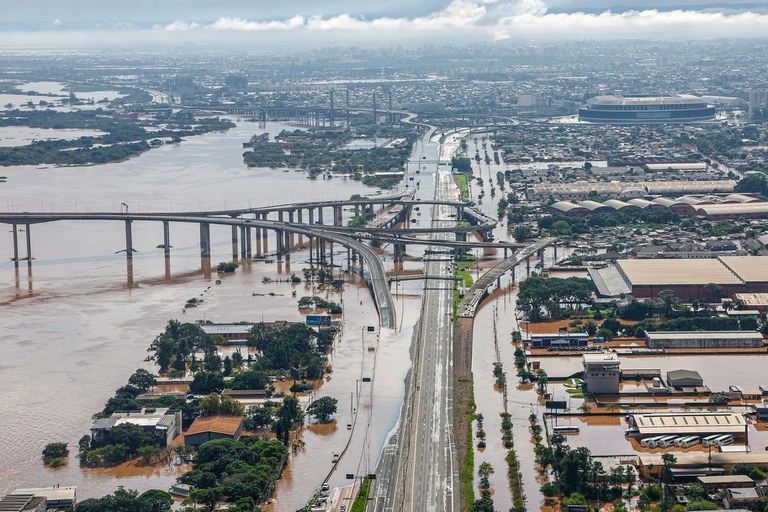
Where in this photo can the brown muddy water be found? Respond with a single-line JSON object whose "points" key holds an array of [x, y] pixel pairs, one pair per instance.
{"points": [[75, 327]]}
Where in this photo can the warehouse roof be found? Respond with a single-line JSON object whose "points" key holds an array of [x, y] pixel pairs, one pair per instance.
{"points": [[749, 268], [753, 299], [699, 335], [732, 208], [567, 207], [694, 423], [725, 479], [671, 272], [683, 374]]}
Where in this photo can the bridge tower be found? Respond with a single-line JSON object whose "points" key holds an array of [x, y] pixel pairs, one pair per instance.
{"points": [[332, 113]]}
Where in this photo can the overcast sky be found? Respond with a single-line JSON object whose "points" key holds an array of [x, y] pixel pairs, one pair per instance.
{"points": [[259, 22]]}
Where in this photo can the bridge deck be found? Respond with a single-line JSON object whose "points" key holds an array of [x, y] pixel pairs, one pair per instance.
{"points": [[470, 302]]}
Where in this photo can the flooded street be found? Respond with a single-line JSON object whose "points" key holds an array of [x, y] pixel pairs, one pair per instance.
{"points": [[76, 326]]}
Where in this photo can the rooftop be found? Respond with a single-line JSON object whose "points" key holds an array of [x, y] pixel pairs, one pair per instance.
{"points": [[748, 268], [683, 374], [688, 335], [600, 357], [725, 479], [670, 272], [227, 425], [680, 423]]}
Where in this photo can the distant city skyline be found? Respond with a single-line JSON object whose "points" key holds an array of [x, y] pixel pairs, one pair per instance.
{"points": [[304, 22]]}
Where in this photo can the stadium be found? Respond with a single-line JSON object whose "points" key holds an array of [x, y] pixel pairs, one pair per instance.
{"points": [[646, 109]]}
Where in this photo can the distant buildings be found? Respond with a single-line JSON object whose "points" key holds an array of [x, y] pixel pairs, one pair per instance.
{"points": [[626, 189], [646, 109]]}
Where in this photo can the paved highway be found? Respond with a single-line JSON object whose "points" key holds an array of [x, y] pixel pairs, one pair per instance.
{"points": [[419, 469]]}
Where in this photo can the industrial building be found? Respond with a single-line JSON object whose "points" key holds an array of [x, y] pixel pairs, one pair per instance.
{"points": [[704, 339], [754, 301], [687, 277], [696, 464], [689, 423], [646, 109], [684, 379], [565, 339], [601, 372], [580, 190]]}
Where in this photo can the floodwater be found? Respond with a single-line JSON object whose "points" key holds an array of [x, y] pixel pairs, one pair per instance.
{"points": [[23, 136], [498, 313], [747, 371], [76, 323]]}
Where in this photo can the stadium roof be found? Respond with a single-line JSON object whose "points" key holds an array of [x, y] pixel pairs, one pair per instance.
{"points": [[673, 272], [645, 100]]}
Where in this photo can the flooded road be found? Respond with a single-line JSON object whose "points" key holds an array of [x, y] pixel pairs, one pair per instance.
{"points": [[75, 327]]}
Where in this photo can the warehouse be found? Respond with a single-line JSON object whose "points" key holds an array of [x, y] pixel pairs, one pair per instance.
{"points": [[726, 211], [704, 339], [755, 301], [689, 423], [566, 339], [684, 277], [752, 270], [684, 379], [703, 462]]}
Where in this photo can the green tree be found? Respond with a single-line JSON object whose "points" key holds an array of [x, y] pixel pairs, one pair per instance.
{"points": [[142, 379], [323, 408], [55, 450], [155, 500], [216, 404]]}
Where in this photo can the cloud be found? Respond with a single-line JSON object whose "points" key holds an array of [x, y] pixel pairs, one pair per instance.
{"points": [[498, 19], [455, 20]]}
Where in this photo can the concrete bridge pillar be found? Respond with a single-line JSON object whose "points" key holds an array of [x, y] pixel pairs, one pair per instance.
{"points": [[311, 249], [338, 220], [15, 245], [320, 214], [528, 266], [311, 213], [247, 243], [280, 216], [357, 210], [243, 242], [205, 240], [349, 257], [234, 243], [362, 272], [128, 239], [29, 245], [330, 250], [288, 241], [279, 237], [460, 213], [461, 236], [399, 252], [554, 248], [167, 238]]}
